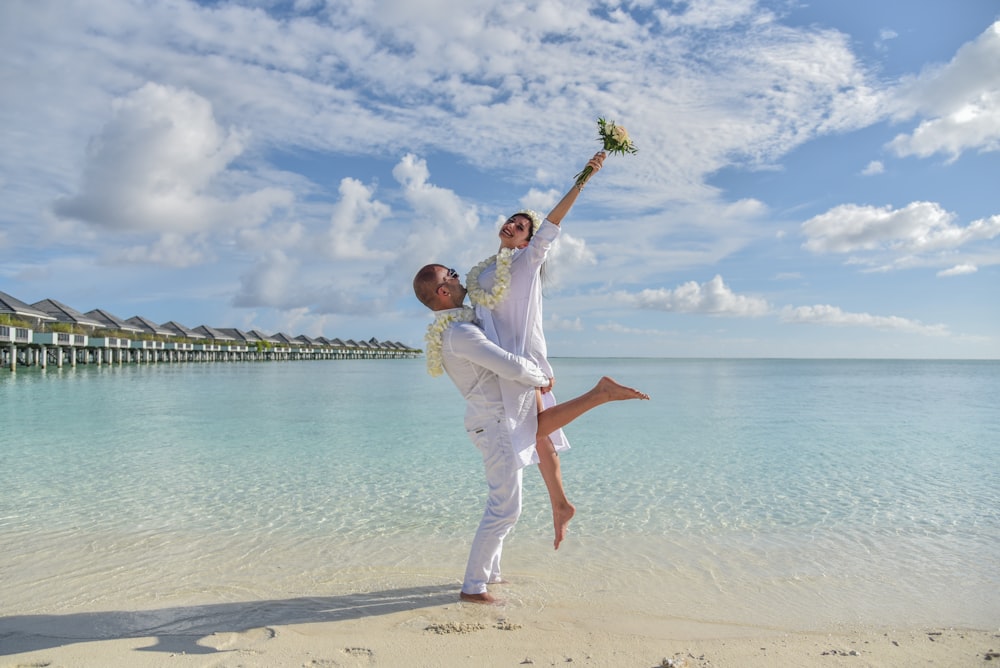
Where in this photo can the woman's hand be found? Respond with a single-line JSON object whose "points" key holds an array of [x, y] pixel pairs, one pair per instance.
{"points": [[593, 166], [545, 390]]}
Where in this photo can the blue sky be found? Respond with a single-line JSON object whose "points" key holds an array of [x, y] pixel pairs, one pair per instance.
{"points": [[813, 179]]}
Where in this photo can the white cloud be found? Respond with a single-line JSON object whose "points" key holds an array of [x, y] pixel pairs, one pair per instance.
{"points": [[919, 227], [355, 218], [960, 101], [280, 235], [618, 328], [707, 14], [713, 297], [569, 255], [833, 315], [958, 270], [272, 282], [873, 167], [885, 35], [539, 200], [556, 323], [170, 250], [157, 167], [441, 223]]}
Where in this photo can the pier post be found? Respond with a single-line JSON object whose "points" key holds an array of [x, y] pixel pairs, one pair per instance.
{"points": [[13, 356], [44, 358]]}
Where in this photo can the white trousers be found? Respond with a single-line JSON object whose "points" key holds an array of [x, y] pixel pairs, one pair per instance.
{"points": [[503, 506]]}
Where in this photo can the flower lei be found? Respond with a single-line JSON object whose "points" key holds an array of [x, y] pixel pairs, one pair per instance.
{"points": [[435, 364], [480, 297]]}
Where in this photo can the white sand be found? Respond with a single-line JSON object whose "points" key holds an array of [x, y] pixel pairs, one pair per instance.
{"points": [[586, 605], [427, 626]]}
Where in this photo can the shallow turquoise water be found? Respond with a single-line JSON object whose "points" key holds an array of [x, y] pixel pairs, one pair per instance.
{"points": [[773, 491]]}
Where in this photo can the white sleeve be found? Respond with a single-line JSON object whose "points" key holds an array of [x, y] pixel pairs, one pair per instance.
{"points": [[541, 242], [467, 341]]}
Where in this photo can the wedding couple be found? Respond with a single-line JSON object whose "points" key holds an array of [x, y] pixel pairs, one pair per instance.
{"points": [[496, 356]]}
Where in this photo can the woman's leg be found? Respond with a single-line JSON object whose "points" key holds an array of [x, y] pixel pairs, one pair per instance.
{"points": [[549, 466], [558, 416]]}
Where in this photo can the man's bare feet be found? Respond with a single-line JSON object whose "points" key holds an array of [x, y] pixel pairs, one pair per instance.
{"points": [[485, 598], [618, 392], [560, 520]]}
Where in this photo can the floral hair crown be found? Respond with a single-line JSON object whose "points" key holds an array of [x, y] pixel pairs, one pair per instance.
{"points": [[536, 220]]}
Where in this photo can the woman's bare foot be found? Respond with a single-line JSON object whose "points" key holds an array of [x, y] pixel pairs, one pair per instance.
{"points": [[618, 392], [485, 598], [560, 520]]}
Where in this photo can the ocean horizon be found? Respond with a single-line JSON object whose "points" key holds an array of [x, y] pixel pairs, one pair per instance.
{"points": [[785, 492]]}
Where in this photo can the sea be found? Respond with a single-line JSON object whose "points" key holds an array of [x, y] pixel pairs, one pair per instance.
{"points": [[789, 494]]}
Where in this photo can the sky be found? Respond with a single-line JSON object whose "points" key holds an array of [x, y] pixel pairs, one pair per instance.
{"points": [[814, 179]]}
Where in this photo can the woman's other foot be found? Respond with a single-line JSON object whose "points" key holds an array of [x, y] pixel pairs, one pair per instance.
{"points": [[560, 521]]}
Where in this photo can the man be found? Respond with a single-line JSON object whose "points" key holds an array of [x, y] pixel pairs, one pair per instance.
{"points": [[475, 365]]}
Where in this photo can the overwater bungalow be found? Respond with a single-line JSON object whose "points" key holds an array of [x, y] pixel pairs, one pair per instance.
{"points": [[178, 330], [245, 343], [66, 314], [147, 326], [26, 337], [266, 338], [15, 309], [113, 322], [18, 321], [216, 335], [286, 339], [64, 340], [238, 335]]}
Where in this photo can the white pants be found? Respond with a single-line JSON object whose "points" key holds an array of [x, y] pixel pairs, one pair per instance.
{"points": [[503, 506]]}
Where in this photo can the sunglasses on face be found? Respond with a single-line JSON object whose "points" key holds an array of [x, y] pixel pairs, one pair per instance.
{"points": [[450, 275]]}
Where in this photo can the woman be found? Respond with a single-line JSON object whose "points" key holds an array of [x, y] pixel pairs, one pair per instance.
{"points": [[506, 290]]}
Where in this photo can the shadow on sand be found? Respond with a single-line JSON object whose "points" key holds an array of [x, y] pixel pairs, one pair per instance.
{"points": [[178, 630]]}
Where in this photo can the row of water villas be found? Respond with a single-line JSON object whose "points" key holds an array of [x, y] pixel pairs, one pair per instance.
{"points": [[48, 333]]}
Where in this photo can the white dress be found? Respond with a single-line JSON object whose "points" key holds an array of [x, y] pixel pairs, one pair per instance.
{"points": [[515, 324]]}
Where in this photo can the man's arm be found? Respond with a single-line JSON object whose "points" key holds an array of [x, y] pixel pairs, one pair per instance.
{"points": [[468, 341]]}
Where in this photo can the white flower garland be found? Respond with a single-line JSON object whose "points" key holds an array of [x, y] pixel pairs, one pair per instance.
{"points": [[435, 364], [480, 297]]}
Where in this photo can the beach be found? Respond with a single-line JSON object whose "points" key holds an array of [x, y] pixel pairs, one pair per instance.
{"points": [[420, 626], [753, 513]]}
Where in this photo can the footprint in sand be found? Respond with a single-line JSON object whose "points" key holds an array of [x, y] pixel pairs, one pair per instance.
{"points": [[244, 640]]}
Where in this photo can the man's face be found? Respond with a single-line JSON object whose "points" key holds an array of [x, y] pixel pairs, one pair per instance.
{"points": [[449, 278]]}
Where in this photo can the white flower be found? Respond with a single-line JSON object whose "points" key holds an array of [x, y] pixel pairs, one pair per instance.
{"points": [[480, 297], [614, 139], [435, 363]]}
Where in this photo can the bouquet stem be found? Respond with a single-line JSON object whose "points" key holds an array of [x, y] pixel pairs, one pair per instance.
{"points": [[582, 177]]}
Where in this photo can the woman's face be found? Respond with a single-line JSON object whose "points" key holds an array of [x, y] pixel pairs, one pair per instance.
{"points": [[516, 232]]}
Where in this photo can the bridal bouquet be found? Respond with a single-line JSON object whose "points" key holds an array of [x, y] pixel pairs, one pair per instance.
{"points": [[614, 138]]}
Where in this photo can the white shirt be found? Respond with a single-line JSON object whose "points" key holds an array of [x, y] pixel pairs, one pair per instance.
{"points": [[475, 364], [515, 324]]}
